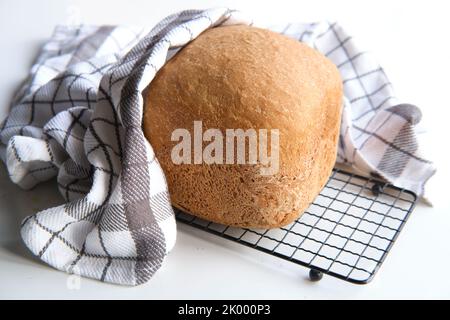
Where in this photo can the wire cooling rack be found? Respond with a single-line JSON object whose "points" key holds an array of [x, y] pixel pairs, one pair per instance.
{"points": [[346, 232]]}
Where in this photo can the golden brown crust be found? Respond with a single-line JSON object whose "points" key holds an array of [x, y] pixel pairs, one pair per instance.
{"points": [[245, 77]]}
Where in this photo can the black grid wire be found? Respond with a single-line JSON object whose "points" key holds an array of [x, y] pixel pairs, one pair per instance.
{"points": [[346, 232]]}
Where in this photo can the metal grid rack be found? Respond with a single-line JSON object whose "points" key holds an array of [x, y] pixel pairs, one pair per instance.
{"points": [[346, 232]]}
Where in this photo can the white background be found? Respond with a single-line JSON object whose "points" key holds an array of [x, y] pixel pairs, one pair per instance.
{"points": [[409, 38]]}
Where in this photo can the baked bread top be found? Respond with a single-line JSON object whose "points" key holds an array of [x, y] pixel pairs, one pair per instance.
{"points": [[244, 77]]}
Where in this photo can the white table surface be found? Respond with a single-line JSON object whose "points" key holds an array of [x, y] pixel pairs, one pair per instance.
{"points": [[410, 38]]}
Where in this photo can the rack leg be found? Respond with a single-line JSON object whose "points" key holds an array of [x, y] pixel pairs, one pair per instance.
{"points": [[377, 188], [315, 275]]}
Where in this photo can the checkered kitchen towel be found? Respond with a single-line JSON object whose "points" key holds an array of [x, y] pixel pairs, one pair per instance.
{"points": [[78, 117]]}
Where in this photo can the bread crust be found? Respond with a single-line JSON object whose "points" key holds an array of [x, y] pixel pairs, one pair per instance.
{"points": [[246, 77]]}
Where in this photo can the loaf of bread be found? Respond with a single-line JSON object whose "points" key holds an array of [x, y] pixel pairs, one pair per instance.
{"points": [[242, 77]]}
